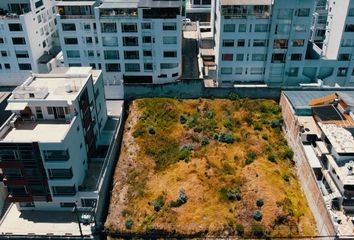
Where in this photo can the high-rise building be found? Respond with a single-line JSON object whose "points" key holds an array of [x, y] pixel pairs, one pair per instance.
{"points": [[28, 39], [283, 43], [48, 145], [135, 41]]}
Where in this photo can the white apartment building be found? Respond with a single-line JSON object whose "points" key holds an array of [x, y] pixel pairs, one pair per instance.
{"points": [[283, 43], [28, 39], [49, 145], [135, 41], [198, 10]]}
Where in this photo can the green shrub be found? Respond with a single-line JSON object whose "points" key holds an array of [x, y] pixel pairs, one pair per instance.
{"points": [[198, 129], [257, 230], [228, 169], [205, 141], [257, 215], [265, 136], [240, 229], [151, 130], [288, 153], [225, 137], [258, 127], [259, 202], [250, 157], [192, 122], [228, 124], [233, 96], [138, 132], [287, 206], [209, 115], [182, 119], [158, 203], [271, 158], [228, 194], [184, 152], [286, 177], [275, 123], [195, 139], [129, 223], [182, 199]]}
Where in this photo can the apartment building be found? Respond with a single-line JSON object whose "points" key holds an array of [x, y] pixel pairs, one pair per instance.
{"points": [[135, 41], [320, 124], [49, 144], [198, 10], [283, 42], [28, 39]]}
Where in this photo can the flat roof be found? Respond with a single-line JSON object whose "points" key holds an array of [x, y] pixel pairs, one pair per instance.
{"points": [[310, 126], [114, 107], [76, 3], [29, 131], [311, 157], [342, 170], [49, 223], [246, 2], [341, 139]]}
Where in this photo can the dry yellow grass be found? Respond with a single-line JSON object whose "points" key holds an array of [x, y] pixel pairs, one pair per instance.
{"points": [[149, 167]]}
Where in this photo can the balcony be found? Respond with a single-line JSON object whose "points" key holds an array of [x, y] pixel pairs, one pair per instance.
{"points": [[76, 10], [18, 198], [14, 181], [119, 13]]}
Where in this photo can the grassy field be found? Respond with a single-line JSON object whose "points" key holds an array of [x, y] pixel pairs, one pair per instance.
{"points": [[217, 167]]}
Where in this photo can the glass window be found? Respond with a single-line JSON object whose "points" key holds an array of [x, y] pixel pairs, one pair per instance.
{"points": [[285, 13], [73, 53], [112, 67], [60, 173], [303, 12], [110, 41], [227, 57], [147, 39], [349, 27], [300, 28], [281, 43], [342, 72], [70, 41], [257, 71], [168, 65], [145, 25], [261, 27], [226, 70], [260, 43], [229, 27], [278, 58], [15, 27], [296, 57], [344, 57], [21, 54], [111, 54], [242, 27], [241, 42], [293, 72], [25, 66], [169, 26], [239, 57], [238, 71], [108, 27], [282, 29], [169, 40], [19, 41], [130, 41], [68, 27], [131, 54], [298, 42], [56, 155], [228, 43], [64, 190], [259, 57], [132, 67]]}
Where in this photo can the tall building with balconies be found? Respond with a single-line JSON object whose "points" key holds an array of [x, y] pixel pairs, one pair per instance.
{"points": [[48, 145], [28, 39], [135, 41]]}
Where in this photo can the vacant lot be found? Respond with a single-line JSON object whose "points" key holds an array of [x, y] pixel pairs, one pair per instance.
{"points": [[213, 167]]}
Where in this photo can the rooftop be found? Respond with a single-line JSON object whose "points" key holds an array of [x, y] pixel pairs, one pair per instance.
{"points": [[342, 170], [38, 223], [65, 84], [341, 139], [246, 2], [36, 131]]}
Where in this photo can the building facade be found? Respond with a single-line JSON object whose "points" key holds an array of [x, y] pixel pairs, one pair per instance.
{"points": [[47, 145], [28, 39], [133, 41], [283, 42]]}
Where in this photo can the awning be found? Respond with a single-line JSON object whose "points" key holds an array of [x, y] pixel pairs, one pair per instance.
{"points": [[16, 106]]}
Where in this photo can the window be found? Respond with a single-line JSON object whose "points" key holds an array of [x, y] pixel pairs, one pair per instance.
{"points": [[285, 13], [169, 26], [239, 57], [64, 190], [347, 43], [351, 12], [7, 66], [111, 54], [168, 65], [296, 57], [87, 26], [238, 71], [169, 54], [241, 42], [280, 43], [259, 57], [349, 28], [298, 42], [15, 27], [12, 172], [282, 29], [18, 41], [257, 71], [300, 28], [148, 67], [342, 72], [38, 4], [147, 53], [226, 70], [242, 27], [110, 41], [146, 39], [24, 66], [293, 72], [68, 27], [131, 54], [70, 41], [228, 43], [90, 53], [1, 40], [130, 41], [113, 67], [88, 202], [344, 57], [129, 27], [3, 53], [60, 173], [260, 43], [21, 54], [229, 27], [261, 27], [303, 12], [109, 27], [169, 40], [132, 67], [227, 57], [73, 53], [278, 58], [145, 26], [56, 155], [89, 40], [67, 204]]}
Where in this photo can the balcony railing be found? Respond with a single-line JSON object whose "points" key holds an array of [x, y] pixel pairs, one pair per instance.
{"points": [[77, 16]]}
